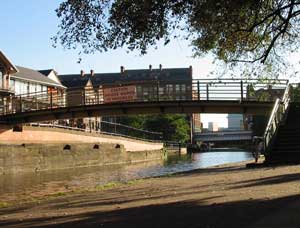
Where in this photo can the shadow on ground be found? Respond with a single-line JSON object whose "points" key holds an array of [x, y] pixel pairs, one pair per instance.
{"points": [[181, 214], [279, 179]]}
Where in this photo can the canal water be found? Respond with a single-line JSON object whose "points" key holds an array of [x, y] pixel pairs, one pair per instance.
{"points": [[13, 187]]}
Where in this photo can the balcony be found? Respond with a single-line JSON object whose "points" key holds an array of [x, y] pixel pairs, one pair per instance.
{"points": [[6, 91]]}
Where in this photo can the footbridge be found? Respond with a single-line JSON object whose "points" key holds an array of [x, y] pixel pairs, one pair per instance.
{"points": [[193, 96], [222, 136]]}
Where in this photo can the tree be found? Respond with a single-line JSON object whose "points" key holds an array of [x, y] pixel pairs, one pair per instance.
{"points": [[175, 127], [234, 30]]}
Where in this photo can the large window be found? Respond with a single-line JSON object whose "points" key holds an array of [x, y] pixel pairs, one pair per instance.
{"points": [[23, 87]]}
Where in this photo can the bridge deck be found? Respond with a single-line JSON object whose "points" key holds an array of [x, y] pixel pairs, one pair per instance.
{"points": [[247, 107], [188, 96]]}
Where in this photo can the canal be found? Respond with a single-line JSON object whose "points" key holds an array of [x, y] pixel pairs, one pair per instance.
{"points": [[28, 186]]}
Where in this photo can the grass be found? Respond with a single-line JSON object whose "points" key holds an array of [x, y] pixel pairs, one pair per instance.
{"points": [[112, 185], [106, 186], [59, 194], [4, 204]]}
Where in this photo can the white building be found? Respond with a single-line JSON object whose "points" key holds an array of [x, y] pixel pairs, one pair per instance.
{"points": [[213, 126], [235, 122]]}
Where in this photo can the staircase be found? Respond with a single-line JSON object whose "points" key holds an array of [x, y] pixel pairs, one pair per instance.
{"points": [[286, 142]]}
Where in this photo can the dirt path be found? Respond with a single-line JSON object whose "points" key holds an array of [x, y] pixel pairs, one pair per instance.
{"points": [[228, 196]]}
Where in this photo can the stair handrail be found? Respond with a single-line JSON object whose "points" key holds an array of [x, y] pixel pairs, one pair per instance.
{"points": [[279, 109]]}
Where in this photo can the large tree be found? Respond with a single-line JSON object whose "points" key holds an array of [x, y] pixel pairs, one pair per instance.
{"points": [[234, 30]]}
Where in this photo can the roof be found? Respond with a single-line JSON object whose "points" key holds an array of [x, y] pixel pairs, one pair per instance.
{"points": [[168, 74], [34, 76], [8, 63], [46, 72]]}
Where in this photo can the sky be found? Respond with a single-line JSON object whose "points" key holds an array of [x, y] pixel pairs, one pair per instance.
{"points": [[29, 26]]}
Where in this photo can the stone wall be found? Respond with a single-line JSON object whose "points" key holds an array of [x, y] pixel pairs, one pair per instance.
{"points": [[55, 135], [42, 157]]}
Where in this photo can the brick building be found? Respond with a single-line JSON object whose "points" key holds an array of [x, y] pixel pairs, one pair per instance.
{"points": [[141, 85]]}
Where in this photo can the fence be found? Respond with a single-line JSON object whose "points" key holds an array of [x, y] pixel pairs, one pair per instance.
{"points": [[149, 91], [115, 129]]}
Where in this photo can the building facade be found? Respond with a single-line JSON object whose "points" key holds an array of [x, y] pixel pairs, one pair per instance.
{"points": [[128, 85], [23, 82], [235, 122]]}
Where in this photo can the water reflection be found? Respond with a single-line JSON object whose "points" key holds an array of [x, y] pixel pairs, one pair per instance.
{"points": [[183, 163], [13, 187]]}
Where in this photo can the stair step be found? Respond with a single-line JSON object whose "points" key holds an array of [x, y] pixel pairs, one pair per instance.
{"points": [[276, 151], [286, 143], [291, 138], [289, 128]]}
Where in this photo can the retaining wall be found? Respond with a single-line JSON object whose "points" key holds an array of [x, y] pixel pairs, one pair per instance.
{"points": [[42, 157], [54, 135]]}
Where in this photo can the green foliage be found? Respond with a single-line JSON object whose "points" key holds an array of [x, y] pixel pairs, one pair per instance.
{"points": [[4, 204], [295, 93], [244, 30], [174, 127], [137, 121]]}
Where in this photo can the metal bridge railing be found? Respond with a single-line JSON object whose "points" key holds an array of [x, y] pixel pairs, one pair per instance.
{"points": [[148, 91], [109, 128], [277, 116]]}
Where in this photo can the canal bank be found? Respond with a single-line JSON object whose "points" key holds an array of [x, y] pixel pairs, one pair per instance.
{"points": [[50, 157], [47, 149], [223, 196]]}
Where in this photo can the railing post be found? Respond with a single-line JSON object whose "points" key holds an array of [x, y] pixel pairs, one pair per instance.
{"points": [[207, 92], [157, 90], [51, 100], [242, 91], [198, 89], [21, 103], [83, 97]]}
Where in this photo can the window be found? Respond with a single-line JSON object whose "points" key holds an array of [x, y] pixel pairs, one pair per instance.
{"points": [[145, 93], [18, 87], [139, 91], [1, 79], [178, 88], [12, 84], [32, 88], [183, 88], [38, 88], [25, 87], [169, 88]]}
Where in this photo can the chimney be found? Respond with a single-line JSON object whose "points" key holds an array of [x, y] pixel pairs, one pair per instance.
{"points": [[150, 67], [160, 67], [191, 71], [92, 73], [122, 69], [82, 73]]}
